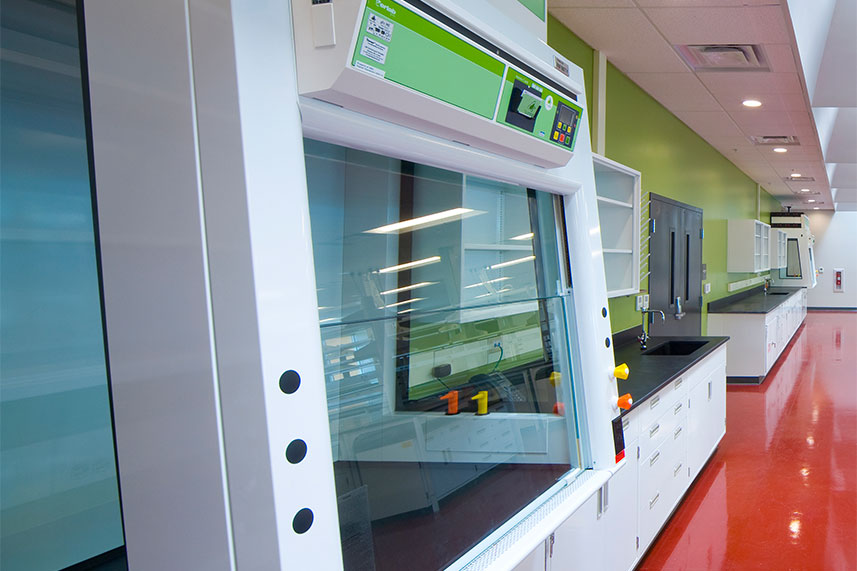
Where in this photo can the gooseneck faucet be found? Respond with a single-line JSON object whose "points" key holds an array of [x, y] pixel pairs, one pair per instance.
{"points": [[644, 336]]}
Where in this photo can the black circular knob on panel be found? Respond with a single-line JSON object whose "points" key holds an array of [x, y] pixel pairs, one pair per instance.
{"points": [[607, 342], [603, 312], [302, 521], [296, 451], [290, 381]]}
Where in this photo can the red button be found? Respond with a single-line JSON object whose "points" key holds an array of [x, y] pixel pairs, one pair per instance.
{"points": [[562, 137]]}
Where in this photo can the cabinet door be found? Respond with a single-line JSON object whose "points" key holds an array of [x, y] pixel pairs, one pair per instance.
{"points": [[619, 518], [579, 543], [706, 418], [535, 561]]}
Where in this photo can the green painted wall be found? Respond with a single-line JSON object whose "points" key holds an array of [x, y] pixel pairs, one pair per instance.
{"points": [[675, 162]]}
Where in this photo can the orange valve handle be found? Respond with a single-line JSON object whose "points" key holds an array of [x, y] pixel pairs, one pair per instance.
{"points": [[481, 399], [625, 401], [622, 371], [451, 399]]}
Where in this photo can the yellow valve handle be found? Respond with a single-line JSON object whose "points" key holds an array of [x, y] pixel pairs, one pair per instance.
{"points": [[621, 371], [481, 399], [555, 378]]}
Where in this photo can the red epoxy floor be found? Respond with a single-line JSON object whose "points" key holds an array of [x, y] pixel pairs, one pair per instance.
{"points": [[780, 493]]}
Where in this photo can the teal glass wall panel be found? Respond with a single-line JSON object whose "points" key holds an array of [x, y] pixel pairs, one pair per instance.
{"points": [[59, 501]]}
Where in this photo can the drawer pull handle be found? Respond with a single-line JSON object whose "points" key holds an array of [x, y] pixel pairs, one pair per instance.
{"points": [[677, 408], [677, 468], [677, 432], [654, 500], [655, 401], [654, 459], [678, 383], [654, 430]]}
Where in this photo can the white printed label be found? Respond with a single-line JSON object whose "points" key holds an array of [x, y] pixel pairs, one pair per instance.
{"points": [[368, 68], [380, 27], [374, 50]]}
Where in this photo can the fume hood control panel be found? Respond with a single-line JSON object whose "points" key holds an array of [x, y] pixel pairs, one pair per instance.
{"points": [[408, 63]]}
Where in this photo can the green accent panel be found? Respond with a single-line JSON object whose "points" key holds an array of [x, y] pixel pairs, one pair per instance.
{"points": [[416, 53], [537, 7], [544, 124], [577, 51], [675, 162]]}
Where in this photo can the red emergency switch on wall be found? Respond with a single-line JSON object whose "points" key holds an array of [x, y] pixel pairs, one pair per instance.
{"points": [[837, 280]]}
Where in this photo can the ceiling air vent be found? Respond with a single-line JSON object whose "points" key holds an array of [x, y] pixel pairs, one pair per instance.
{"points": [[778, 140], [798, 179], [724, 57]]}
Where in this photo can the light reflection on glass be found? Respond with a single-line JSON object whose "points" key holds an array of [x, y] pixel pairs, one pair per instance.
{"points": [[527, 236], [512, 262], [406, 288], [398, 303], [426, 221], [486, 282], [409, 265]]}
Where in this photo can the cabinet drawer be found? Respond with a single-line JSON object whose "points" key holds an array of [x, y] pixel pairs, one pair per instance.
{"points": [[661, 429], [660, 402], [657, 467]]}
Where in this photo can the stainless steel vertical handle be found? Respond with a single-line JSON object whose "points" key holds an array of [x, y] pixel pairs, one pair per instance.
{"points": [[678, 312]]}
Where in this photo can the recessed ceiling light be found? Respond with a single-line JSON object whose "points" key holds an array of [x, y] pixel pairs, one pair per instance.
{"points": [[811, 200], [804, 190], [780, 150], [795, 175], [815, 208], [751, 103]]}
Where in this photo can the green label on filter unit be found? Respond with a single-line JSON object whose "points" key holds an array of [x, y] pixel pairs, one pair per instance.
{"points": [[405, 48], [528, 106]]}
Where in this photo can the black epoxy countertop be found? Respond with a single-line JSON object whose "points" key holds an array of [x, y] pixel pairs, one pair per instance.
{"points": [[758, 302], [650, 373]]}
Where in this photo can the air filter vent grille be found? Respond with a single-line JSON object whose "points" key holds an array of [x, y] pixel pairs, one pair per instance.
{"points": [[778, 140], [724, 57]]}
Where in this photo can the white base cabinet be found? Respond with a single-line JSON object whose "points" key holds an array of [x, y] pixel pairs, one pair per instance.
{"points": [[758, 339], [668, 439]]}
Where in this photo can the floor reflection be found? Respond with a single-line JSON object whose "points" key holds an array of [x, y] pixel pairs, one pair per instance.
{"points": [[781, 490]]}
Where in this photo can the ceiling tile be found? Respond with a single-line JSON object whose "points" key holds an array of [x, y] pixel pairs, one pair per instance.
{"points": [[730, 142], [698, 3], [755, 122], [750, 84], [625, 36], [710, 123], [677, 91], [721, 25], [792, 101], [781, 58], [590, 4]]}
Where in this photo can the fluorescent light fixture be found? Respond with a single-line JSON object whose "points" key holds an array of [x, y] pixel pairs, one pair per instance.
{"points": [[751, 103], [804, 190], [511, 262], [815, 208], [527, 236], [424, 221], [398, 303], [407, 288], [495, 280], [409, 265], [811, 200], [795, 175], [780, 150]]}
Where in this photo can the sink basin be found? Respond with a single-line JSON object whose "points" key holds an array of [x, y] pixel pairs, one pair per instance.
{"points": [[675, 348]]}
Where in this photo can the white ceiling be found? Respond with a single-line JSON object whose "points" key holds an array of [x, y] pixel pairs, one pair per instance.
{"points": [[639, 38]]}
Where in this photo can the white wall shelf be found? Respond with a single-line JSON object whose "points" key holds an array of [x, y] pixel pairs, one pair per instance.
{"points": [[618, 190], [748, 248]]}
